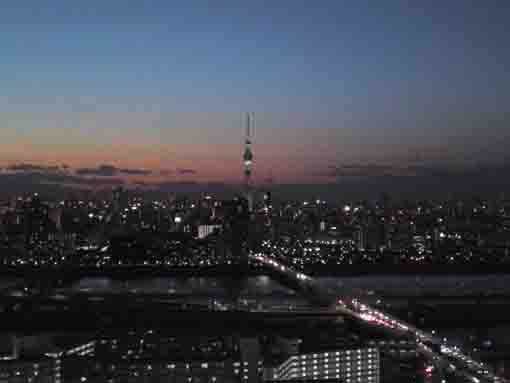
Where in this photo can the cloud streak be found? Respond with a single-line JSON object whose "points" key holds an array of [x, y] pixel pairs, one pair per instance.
{"points": [[33, 168], [359, 170], [376, 171], [111, 171], [100, 171], [135, 172], [182, 171]]}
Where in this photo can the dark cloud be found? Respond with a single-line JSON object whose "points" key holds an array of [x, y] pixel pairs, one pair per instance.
{"points": [[111, 171], [100, 171], [178, 171], [186, 171], [49, 183], [359, 170], [146, 186], [69, 179], [423, 170], [63, 175], [135, 172], [94, 181], [32, 168], [375, 170]]}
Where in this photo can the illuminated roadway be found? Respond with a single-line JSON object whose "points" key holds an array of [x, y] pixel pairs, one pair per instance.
{"points": [[443, 357]]}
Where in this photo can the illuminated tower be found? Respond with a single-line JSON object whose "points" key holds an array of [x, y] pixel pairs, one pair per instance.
{"points": [[248, 160]]}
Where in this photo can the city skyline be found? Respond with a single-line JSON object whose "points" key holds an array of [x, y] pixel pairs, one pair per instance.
{"points": [[340, 90], [254, 192]]}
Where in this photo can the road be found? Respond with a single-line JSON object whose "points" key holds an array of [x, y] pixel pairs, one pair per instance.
{"points": [[442, 356]]}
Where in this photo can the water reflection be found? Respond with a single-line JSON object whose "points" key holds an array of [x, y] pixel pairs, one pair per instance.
{"points": [[264, 285], [261, 285]]}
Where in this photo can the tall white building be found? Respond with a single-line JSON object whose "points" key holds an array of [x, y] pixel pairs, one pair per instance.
{"points": [[350, 366], [207, 229]]}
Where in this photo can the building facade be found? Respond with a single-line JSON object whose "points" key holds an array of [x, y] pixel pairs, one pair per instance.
{"points": [[350, 366]]}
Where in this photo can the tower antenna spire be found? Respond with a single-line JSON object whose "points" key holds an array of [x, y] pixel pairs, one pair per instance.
{"points": [[252, 124], [248, 123]]}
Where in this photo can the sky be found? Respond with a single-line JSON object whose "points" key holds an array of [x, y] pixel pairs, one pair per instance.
{"points": [[154, 90]]}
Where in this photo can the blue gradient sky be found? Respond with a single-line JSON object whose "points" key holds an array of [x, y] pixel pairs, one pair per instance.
{"points": [[162, 84]]}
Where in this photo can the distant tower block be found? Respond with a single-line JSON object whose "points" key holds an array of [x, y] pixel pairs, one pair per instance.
{"points": [[248, 160]]}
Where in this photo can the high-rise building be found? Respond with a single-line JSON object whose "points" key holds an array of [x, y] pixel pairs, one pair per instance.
{"points": [[118, 217], [120, 199], [361, 238], [350, 366], [36, 220], [268, 202], [205, 230], [55, 216]]}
